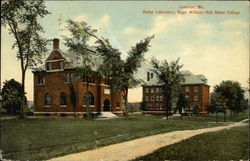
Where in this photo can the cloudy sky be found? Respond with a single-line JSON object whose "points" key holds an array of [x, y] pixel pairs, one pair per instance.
{"points": [[215, 45]]}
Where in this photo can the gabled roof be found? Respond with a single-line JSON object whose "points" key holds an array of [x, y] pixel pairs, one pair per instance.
{"points": [[189, 77], [77, 61], [192, 79], [71, 60], [55, 54]]}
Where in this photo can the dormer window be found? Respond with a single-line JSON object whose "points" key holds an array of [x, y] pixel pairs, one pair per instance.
{"points": [[49, 66], [61, 65]]}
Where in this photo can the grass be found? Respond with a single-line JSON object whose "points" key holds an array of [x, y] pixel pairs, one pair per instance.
{"points": [[241, 116], [230, 144], [212, 117], [44, 138]]}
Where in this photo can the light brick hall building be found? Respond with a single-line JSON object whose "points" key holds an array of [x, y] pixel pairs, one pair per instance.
{"points": [[194, 87], [57, 93]]}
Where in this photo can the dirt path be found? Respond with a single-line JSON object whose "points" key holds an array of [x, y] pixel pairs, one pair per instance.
{"points": [[139, 147]]}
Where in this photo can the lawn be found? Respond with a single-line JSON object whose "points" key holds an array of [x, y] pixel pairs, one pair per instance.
{"points": [[232, 118], [44, 138], [229, 144]]}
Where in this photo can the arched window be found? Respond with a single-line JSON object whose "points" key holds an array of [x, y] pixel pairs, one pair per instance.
{"points": [[62, 98], [88, 96], [47, 99]]}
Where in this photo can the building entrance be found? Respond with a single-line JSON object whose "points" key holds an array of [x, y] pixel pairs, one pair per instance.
{"points": [[106, 105]]}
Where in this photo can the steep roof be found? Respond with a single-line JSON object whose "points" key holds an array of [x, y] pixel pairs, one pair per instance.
{"points": [[77, 61], [189, 77], [71, 60]]}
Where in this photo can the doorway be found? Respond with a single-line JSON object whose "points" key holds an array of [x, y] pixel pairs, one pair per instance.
{"points": [[106, 105]]}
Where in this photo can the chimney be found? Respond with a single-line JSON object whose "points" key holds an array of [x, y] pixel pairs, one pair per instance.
{"points": [[55, 43], [148, 76]]}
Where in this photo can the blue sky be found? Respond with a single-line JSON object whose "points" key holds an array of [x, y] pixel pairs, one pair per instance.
{"points": [[216, 46]]}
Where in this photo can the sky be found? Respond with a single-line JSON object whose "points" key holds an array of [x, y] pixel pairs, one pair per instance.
{"points": [[215, 45]]}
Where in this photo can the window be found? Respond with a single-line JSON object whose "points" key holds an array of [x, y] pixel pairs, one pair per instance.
{"points": [[186, 89], [49, 66], [152, 90], [61, 65], [63, 99], [88, 97], [47, 99], [107, 80], [152, 98], [161, 98], [196, 98], [69, 77], [157, 98], [150, 106], [146, 90], [157, 106], [196, 89], [41, 79], [187, 97], [147, 98], [161, 106], [157, 90], [90, 80]]}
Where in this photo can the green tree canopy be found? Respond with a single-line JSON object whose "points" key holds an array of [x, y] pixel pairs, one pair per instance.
{"points": [[182, 103], [170, 76], [233, 93], [12, 96], [78, 46], [217, 104], [121, 71], [22, 19]]}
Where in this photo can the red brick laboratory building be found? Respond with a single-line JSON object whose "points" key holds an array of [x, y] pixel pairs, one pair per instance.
{"points": [[194, 87], [56, 93]]}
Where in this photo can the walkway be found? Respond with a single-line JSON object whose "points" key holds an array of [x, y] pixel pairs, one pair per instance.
{"points": [[139, 147]]}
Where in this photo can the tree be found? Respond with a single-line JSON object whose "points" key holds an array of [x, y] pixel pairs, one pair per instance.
{"points": [[12, 96], [217, 104], [122, 72], [22, 19], [196, 110], [143, 106], [170, 76], [233, 93], [132, 63], [113, 65], [182, 102], [78, 48]]}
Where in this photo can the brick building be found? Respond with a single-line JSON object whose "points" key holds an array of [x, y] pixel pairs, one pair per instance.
{"points": [[57, 93], [194, 87]]}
